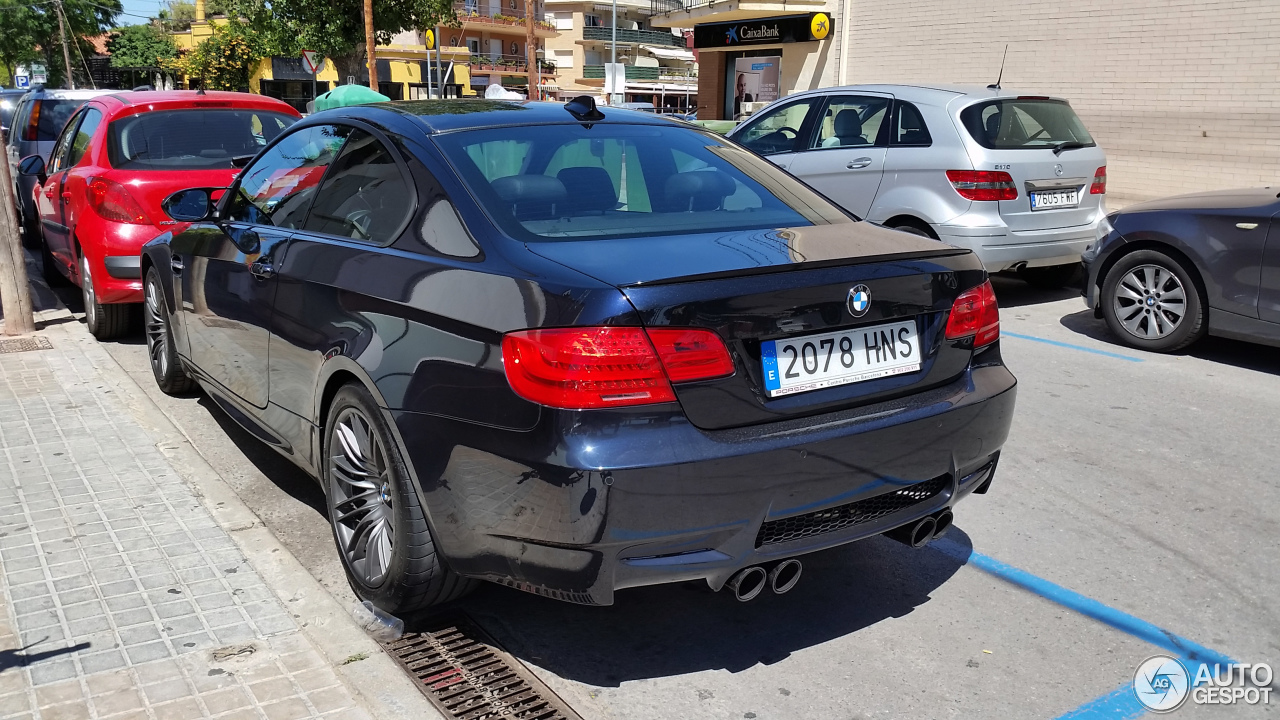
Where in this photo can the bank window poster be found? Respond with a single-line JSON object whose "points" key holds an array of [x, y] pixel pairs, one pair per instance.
{"points": [[756, 79]]}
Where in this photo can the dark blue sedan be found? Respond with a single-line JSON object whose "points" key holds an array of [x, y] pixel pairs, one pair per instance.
{"points": [[574, 350]]}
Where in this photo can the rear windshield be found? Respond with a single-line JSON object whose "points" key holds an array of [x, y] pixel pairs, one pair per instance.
{"points": [[545, 182], [53, 114], [196, 139], [1024, 123]]}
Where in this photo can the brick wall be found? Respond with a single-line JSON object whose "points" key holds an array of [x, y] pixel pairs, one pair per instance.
{"points": [[1183, 95], [711, 85]]}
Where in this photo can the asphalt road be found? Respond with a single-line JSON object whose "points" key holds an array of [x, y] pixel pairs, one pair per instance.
{"points": [[1136, 490]]}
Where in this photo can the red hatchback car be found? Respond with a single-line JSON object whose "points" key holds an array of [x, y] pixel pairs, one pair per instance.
{"points": [[116, 160]]}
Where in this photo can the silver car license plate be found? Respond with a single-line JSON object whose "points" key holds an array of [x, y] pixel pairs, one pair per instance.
{"points": [[812, 362], [1051, 199]]}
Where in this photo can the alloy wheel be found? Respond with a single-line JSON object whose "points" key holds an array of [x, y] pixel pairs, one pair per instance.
{"points": [[157, 331], [1150, 302], [361, 496], [86, 289]]}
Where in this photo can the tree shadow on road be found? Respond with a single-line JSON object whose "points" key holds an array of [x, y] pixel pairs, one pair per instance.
{"points": [[675, 629]]}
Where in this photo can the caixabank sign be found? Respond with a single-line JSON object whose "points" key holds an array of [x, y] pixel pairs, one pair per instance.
{"points": [[808, 27]]}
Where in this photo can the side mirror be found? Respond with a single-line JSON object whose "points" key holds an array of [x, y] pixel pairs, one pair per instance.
{"points": [[32, 166], [194, 205]]}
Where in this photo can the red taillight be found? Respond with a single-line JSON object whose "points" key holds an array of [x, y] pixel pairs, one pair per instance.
{"points": [[983, 184], [1099, 186], [975, 313], [32, 132], [596, 367], [112, 201]]}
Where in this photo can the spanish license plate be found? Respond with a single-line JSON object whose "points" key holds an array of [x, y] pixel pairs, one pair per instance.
{"points": [[812, 362], [1050, 199]]}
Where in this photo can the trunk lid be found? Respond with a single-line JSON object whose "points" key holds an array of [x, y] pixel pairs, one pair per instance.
{"points": [[1041, 170], [752, 287], [151, 187]]}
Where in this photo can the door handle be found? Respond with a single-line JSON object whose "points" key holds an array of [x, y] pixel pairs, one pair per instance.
{"points": [[858, 163], [175, 264], [48, 192], [66, 197], [262, 270]]}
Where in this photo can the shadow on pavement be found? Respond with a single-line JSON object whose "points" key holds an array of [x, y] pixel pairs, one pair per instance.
{"points": [[1244, 355], [1012, 291], [674, 629], [21, 658], [284, 474]]}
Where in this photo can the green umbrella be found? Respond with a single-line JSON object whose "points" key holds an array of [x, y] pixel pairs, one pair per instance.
{"points": [[345, 95]]}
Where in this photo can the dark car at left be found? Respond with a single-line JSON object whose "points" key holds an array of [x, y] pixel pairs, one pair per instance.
{"points": [[573, 350]]}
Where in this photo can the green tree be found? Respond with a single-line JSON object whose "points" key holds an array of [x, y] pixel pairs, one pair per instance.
{"points": [[29, 33], [140, 46], [181, 13], [223, 61], [335, 28]]}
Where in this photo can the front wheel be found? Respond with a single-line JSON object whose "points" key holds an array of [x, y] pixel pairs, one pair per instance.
{"points": [[165, 365], [378, 522], [1150, 301], [104, 321]]}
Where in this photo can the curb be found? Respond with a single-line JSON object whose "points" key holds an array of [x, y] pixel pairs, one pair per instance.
{"points": [[376, 681]]}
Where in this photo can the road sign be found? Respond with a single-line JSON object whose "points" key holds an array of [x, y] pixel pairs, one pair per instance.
{"points": [[22, 82], [429, 39], [312, 61], [38, 73]]}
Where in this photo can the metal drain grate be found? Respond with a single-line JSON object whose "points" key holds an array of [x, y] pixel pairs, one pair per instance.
{"points": [[25, 344], [464, 673]]}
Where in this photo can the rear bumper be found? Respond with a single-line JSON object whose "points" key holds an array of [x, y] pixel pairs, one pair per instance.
{"points": [[665, 501], [1000, 248], [114, 252]]}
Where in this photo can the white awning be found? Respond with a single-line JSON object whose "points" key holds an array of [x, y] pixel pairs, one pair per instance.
{"points": [[686, 88], [669, 53]]}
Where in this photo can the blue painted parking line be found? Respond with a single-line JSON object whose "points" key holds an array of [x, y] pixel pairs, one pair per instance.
{"points": [[1069, 346], [1121, 703]]}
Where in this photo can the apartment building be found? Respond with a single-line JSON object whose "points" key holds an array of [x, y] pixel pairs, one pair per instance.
{"points": [[660, 67], [495, 34]]}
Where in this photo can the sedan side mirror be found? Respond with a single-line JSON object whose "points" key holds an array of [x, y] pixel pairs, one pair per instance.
{"points": [[194, 205], [32, 166]]}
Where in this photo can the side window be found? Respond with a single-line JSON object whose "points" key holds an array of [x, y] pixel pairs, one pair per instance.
{"points": [[365, 196], [909, 128], [278, 186], [62, 150], [851, 121], [776, 131], [88, 126]]}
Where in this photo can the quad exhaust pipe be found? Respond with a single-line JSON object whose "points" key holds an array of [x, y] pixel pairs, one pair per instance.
{"points": [[748, 583], [923, 531]]}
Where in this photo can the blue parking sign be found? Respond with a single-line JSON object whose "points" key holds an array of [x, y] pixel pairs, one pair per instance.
{"points": [[22, 82]]}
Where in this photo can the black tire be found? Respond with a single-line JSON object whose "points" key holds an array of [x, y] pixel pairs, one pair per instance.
{"points": [[105, 321], [1051, 277], [912, 229], [415, 577], [1151, 319], [165, 364], [53, 277]]}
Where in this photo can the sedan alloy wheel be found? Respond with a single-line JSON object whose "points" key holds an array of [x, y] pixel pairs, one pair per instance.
{"points": [[1150, 302], [361, 496]]}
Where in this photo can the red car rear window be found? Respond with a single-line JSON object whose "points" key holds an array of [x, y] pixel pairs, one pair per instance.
{"points": [[193, 139]]}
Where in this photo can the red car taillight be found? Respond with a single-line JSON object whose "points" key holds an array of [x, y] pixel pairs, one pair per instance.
{"points": [[975, 313], [1099, 186], [112, 201], [983, 184], [597, 367]]}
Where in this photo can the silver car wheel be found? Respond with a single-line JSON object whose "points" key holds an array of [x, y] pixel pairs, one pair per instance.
{"points": [[86, 290], [1150, 302], [361, 497], [157, 332]]}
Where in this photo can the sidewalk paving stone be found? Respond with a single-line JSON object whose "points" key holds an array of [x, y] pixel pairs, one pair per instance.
{"points": [[120, 596]]}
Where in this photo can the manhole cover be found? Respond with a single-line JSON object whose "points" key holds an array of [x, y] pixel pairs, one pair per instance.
{"points": [[23, 344], [464, 673]]}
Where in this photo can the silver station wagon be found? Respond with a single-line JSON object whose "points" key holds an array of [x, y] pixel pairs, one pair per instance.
{"points": [[1015, 178]]}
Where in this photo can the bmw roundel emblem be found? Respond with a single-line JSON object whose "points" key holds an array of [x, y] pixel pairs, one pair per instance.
{"points": [[859, 301]]}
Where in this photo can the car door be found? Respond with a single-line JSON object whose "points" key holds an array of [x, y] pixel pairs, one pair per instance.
{"points": [[844, 158], [778, 132], [1269, 290], [51, 197], [75, 179], [334, 265], [228, 269]]}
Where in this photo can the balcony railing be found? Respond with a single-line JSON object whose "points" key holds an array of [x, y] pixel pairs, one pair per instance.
{"points": [[480, 13], [647, 37], [640, 72], [501, 63]]}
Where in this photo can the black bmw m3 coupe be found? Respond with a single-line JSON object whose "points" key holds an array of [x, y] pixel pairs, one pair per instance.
{"points": [[573, 350]]}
